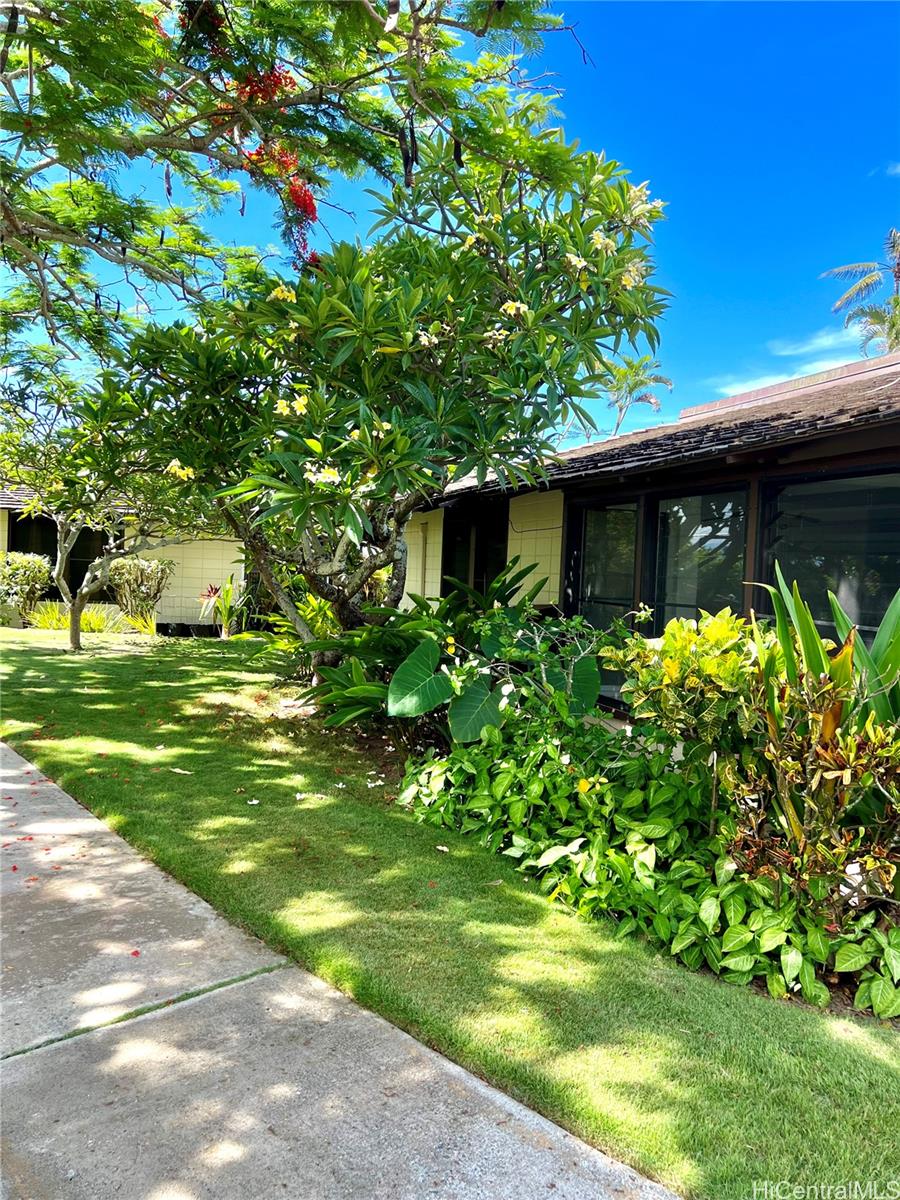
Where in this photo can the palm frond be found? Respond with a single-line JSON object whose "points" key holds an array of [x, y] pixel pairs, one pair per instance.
{"points": [[859, 291], [850, 270], [892, 245]]}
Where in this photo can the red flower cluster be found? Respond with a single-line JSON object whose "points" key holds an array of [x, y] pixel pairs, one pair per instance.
{"points": [[273, 159], [303, 201], [267, 86]]}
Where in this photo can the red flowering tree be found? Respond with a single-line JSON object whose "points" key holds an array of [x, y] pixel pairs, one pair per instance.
{"points": [[214, 99]]}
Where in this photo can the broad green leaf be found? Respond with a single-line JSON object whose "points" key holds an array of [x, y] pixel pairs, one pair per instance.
{"points": [[735, 937], [474, 708], [770, 938], [851, 957], [791, 962], [415, 688], [709, 912], [885, 998]]}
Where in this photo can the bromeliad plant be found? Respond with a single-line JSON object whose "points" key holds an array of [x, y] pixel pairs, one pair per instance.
{"points": [[226, 604]]}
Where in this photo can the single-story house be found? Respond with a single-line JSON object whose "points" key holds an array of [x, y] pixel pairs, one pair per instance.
{"points": [[692, 514], [198, 563]]}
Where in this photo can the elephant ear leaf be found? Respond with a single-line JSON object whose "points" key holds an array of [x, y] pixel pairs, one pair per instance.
{"points": [[473, 709], [415, 688]]}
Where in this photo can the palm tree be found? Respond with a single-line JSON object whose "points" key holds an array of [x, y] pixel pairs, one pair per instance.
{"points": [[868, 277], [630, 383], [878, 324]]}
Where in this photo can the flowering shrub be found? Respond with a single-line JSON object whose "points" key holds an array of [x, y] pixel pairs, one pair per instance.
{"points": [[24, 578]]}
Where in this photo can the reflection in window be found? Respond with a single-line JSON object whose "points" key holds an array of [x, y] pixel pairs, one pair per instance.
{"points": [[839, 535], [607, 579], [700, 558]]}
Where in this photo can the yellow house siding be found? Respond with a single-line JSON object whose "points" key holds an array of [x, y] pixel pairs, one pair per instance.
{"points": [[4, 529], [535, 534], [197, 564], [424, 546]]}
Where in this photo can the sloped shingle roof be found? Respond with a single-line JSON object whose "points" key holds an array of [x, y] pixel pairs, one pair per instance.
{"points": [[856, 396]]}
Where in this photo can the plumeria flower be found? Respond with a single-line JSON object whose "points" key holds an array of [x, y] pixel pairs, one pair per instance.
{"points": [[427, 339], [601, 242], [495, 337], [632, 277], [283, 293], [176, 468], [514, 308], [282, 407], [576, 263], [353, 435], [322, 475], [300, 404]]}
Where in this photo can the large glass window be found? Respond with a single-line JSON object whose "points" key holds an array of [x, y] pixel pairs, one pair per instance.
{"points": [[700, 554], [607, 577], [839, 535]]}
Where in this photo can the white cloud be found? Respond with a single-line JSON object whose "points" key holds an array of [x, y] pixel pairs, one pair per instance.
{"points": [[823, 339], [730, 385], [893, 168]]}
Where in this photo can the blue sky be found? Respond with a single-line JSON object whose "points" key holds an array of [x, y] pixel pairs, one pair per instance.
{"points": [[773, 131]]}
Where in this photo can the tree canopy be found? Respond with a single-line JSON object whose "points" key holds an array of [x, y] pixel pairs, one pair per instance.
{"points": [[320, 412], [125, 123]]}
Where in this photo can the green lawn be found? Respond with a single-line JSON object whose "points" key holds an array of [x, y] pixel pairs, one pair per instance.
{"points": [[699, 1084]]}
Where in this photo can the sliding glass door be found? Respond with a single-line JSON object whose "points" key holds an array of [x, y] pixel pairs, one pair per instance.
{"points": [[607, 577], [838, 535], [700, 554]]}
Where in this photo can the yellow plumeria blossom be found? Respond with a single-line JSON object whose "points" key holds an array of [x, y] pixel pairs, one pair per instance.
{"points": [[282, 407], [427, 339], [322, 475], [514, 308], [300, 404], [601, 242], [179, 471], [632, 277], [576, 263], [283, 293], [353, 435]]}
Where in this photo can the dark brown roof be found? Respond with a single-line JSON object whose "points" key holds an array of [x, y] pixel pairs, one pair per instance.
{"points": [[858, 396]]}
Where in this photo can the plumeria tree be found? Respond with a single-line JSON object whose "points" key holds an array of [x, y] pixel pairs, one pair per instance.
{"points": [[55, 441], [125, 123], [320, 413]]}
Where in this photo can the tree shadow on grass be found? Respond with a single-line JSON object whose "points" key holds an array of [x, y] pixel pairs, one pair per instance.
{"points": [[701, 1084]]}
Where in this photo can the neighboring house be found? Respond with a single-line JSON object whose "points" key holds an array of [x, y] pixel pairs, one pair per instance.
{"points": [[197, 563], [691, 514]]}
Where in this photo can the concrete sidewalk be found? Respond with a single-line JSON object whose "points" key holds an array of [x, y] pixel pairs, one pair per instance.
{"points": [[268, 1083]]}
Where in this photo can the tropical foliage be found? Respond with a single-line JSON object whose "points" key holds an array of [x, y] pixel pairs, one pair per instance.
{"points": [[316, 415], [748, 820], [879, 324], [127, 124], [139, 583], [632, 382], [24, 578]]}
